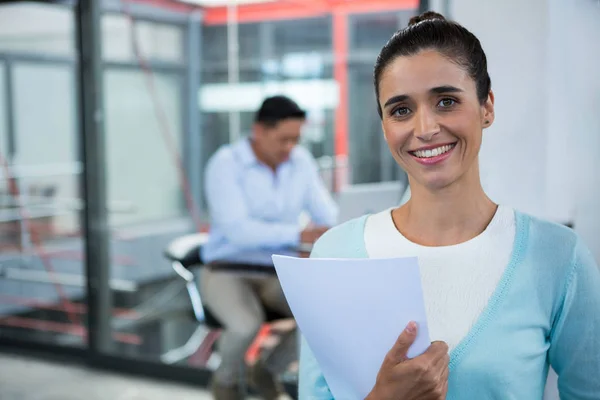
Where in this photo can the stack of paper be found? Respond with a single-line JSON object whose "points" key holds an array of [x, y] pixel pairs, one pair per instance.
{"points": [[351, 311]]}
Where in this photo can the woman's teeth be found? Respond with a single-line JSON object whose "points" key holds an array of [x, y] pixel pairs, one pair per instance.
{"points": [[433, 152]]}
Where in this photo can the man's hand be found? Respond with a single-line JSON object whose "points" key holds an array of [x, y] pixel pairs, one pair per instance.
{"points": [[312, 233], [422, 378]]}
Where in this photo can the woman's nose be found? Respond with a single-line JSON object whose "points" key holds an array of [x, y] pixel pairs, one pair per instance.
{"points": [[426, 126]]}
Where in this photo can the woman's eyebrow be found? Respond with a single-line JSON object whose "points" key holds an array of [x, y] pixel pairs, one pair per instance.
{"points": [[445, 89], [435, 90], [396, 99]]}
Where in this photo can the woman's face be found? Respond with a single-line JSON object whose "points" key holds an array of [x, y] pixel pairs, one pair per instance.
{"points": [[432, 119]]}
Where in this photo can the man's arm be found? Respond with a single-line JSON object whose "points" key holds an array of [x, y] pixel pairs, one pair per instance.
{"points": [[229, 213], [319, 203]]}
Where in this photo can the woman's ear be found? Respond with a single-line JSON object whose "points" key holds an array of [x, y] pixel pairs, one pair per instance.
{"points": [[488, 114]]}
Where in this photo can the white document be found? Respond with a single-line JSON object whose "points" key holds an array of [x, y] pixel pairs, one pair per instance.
{"points": [[351, 311]]}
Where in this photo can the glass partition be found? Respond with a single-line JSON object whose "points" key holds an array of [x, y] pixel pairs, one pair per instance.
{"points": [[3, 111], [42, 277], [139, 143], [52, 34], [145, 107], [156, 41], [370, 160]]}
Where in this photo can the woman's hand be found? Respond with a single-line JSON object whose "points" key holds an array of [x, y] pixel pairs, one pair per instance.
{"points": [[424, 377]]}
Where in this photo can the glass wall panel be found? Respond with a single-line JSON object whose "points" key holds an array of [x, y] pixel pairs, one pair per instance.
{"points": [[372, 31], [370, 160], [42, 284], [137, 143], [303, 35], [145, 143], [3, 112], [156, 41], [291, 57], [51, 34]]}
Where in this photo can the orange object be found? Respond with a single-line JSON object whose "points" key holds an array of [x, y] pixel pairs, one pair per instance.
{"points": [[253, 353]]}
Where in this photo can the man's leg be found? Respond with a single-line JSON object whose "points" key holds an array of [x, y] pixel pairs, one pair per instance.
{"points": [[272, 296], [233, 301], [277, 359]]}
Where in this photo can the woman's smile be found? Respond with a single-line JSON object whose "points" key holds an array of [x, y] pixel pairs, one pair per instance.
{"points": [[431, 155]]}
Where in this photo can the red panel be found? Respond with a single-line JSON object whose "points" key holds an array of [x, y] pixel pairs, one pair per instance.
{"points": [[340, 74], [372, 6], [263, 12], [304, 9]]}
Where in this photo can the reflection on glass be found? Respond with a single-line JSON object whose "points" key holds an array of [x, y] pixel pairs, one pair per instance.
{"points": [[52, 32], [3, 116], [291, 57], [42, 285], [139, 143], [156, 41], [372, 31], [303, 35], [370, 160], [145, 142]]}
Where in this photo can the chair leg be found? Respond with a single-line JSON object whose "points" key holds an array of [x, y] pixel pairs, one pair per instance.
{"points": [[204, 351], [190, 347]]}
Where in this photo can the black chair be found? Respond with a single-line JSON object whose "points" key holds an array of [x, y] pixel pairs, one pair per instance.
{"points": [[185, 254]]}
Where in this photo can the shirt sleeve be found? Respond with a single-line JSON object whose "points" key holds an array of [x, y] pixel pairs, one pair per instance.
{"points": [[575, 338], [229, 213], [319, 203]]}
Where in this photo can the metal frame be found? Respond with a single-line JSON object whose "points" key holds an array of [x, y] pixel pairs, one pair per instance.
{"points": [[192, 118], [156, 66], [10, 117], [93, 182], [144, 12]]}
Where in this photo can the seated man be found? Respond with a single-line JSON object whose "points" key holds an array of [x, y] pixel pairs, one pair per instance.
{"points": [[256, 190]]}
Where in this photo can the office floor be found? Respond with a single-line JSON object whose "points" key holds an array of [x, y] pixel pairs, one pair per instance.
{"points": [[32, 379]]}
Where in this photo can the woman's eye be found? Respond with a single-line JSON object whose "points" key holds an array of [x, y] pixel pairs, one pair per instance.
{"points": [[401, 112], [445, 103]]}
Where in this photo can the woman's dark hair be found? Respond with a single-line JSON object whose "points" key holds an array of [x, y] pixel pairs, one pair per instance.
{"points": [[431, 31]]}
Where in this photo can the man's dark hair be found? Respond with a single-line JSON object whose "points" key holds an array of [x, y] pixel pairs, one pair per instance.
{"points": [[431, 30], [278, 108]]}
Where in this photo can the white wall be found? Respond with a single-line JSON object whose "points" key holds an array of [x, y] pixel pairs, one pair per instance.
{"points": [[573, 180], [541, 154], [513, 161]]}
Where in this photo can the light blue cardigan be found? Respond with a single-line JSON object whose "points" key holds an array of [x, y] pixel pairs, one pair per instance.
{"points": [[545, 311]]}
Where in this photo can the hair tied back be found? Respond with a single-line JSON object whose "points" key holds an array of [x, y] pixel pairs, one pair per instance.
{"points": [[426, 16]]}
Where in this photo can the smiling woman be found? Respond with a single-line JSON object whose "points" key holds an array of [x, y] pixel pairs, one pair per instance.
{"points": [[506, 295]]}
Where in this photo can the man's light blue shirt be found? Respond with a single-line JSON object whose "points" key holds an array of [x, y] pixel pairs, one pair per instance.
{"points": [[253, 207]]}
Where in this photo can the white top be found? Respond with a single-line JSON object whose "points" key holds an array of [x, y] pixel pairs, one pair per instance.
{"points": [[457, 280]]}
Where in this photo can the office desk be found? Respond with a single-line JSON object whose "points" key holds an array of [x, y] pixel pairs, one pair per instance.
{"points": [[258, 261]]}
